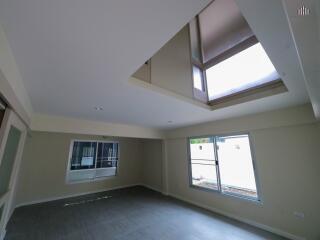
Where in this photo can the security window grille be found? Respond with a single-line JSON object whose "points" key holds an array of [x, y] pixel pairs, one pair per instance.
{"points": [[90, 160], [107, 155], [83, 155]]}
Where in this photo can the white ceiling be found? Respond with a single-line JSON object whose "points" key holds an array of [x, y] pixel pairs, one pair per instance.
{"points": [[74, 55], [306, 32]]}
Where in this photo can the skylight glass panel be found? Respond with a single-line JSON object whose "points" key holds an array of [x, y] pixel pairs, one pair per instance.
{"points": [[197, 78], [249, 68]]}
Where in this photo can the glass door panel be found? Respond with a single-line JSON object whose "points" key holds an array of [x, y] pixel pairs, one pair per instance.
{"points": [[236, 166], [203, 163], [7, 161]]}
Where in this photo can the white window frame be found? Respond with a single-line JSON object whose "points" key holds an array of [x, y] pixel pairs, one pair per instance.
{"points": [[95, 178], [219, 191], [270, 88], [10, 119]]}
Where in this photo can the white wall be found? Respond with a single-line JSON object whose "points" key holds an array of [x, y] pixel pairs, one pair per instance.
{"points": [[11, 84], [287, 159]]}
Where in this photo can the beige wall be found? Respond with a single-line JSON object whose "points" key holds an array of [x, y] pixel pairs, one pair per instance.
{"points": [[292, 116], [286, 147], [171, 71], [45, 158], [288, 163], [171, 65], [50, 123], [152, 164]]}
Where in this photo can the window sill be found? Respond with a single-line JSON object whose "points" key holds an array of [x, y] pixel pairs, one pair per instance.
{"points": [[97, 179], [228, 195], [90, 175], [254, 93]]}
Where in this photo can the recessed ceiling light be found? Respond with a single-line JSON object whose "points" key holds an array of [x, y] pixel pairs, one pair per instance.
{"points": [[98, 108], [303, 11]]}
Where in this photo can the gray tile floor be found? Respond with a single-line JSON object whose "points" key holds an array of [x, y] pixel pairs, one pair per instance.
{"points": [[128, 214]]}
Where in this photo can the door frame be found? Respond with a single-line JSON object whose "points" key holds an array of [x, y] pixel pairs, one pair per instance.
{"points": [[10, 119]]}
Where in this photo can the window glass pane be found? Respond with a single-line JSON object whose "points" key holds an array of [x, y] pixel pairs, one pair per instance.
{"points": [[1, 212], [203, 167], [197, 78], [8, 159], [235, 164], [249, 68], [83, 155], [107, 155]]}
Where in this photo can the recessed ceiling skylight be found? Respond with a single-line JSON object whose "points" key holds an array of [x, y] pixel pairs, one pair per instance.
{"points": [[247, 69]]}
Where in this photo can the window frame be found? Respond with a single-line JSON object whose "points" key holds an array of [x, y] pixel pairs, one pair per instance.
{"points": [[273, 87], [68, 170], [198, 94], [257, 200], [240, 47]]}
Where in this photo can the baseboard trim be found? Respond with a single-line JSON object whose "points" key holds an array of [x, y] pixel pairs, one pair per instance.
{"points": [[240, 219], [165, 193], [151, 188], [73, 195]]}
